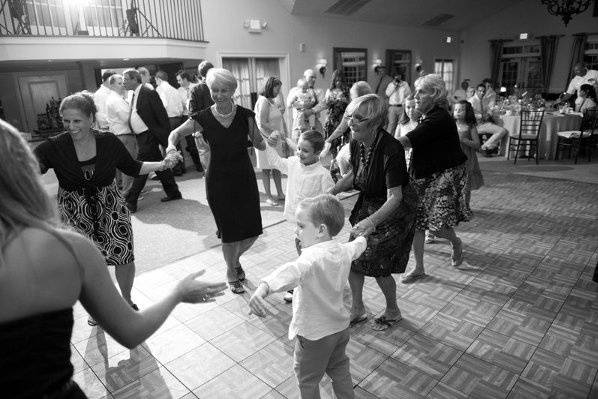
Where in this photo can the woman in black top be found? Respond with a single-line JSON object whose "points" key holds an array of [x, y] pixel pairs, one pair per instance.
{"points": [[228, 130], [438, 172], [44, 271], [385, 208], [85, 162]]}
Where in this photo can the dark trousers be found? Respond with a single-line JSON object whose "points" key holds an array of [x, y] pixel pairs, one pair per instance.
{"points": [[192, 150], [150, 152], [179, 168]]}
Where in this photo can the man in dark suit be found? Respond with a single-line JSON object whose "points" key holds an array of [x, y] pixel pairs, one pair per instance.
{"points": [[200, 97], [149, 121]]}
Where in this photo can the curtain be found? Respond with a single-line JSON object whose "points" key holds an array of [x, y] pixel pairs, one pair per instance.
{"points": [[239, 67], [495, 54], [579, 46], [548, 46]]}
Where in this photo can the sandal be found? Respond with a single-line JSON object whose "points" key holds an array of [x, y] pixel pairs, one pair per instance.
{"points": [[236, 287], [412, 278], [92, 322], [381, 323], [457, 256], [358, 319], [271, 202]]}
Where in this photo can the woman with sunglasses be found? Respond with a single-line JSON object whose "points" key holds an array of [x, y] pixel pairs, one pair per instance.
{"points": [[385, 208]]}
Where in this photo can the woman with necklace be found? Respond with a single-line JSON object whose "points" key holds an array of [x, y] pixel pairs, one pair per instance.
{"points": [[231, 187], [270, 122], [385, 208]]}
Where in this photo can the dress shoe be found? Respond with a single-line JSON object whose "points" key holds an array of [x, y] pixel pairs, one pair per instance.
{"points": [[173, 198], [131, 207]]}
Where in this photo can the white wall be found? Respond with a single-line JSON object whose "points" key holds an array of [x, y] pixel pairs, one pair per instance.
{"points": [[527, 16]]}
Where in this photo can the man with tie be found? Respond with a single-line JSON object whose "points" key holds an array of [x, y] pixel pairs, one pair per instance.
{"points": [[149, 121], [490, 133]]}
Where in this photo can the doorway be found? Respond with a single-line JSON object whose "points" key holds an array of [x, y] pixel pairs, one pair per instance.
{"points": [[36, 94], [251, 74]]}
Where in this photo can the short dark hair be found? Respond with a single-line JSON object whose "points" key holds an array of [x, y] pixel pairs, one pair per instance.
{"points": [[271, 83], [469, 113], [203, 68], [107, 74], [589, 89], [184, 75], [481, 85], [133, 74], [81, 101], [162, 75], [325, 209], [315, 138], [487, 80]]}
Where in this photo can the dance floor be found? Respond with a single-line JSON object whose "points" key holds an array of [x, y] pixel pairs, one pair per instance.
{"points": [[519, 319]]}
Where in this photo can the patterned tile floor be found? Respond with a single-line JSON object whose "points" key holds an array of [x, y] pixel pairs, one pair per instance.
{"points": [[519, 319]]}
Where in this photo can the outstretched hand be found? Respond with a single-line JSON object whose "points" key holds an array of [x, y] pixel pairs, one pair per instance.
{"points": [[191, 290], [257, 304], [172, 159]]}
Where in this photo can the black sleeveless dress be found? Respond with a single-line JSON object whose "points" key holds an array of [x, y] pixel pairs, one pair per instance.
{"points": [[35, 357], [231, 185]]}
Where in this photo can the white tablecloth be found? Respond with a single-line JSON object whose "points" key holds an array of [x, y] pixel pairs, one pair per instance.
{"points": [[551, 125]]}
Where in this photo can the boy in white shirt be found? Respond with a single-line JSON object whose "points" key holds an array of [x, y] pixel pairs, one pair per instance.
{"points": [[306, 176], [320, 317]]}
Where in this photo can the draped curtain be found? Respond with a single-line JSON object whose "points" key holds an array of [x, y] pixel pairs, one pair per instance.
{"points": [[239, 67], [495, 55], [579, 46], [548, 47]]}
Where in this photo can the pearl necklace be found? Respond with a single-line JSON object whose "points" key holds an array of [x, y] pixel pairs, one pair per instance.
{"points": [[224, 116]]}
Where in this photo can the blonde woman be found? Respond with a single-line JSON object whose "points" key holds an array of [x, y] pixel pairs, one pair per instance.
{"points": [[44, 271]]}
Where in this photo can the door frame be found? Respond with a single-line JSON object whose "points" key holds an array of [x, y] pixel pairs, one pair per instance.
{"points": [[21, 99]]}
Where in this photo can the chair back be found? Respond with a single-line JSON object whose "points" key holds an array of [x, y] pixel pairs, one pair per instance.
{"points": [[589, 122], [529, 126]]}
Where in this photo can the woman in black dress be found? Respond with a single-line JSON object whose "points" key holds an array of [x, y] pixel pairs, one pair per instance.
{"points": [[85, 162], [45, 270], [385, 208], [228, 130], [438, 172]]}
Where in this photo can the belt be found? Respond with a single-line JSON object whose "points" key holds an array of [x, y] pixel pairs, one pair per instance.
{"points": [[395, 105]]}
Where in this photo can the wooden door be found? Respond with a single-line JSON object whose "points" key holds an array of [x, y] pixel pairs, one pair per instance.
{"points": [[36, 92]]}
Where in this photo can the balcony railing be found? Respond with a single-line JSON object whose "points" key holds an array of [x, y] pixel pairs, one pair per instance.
{"points": [[166, 19]]}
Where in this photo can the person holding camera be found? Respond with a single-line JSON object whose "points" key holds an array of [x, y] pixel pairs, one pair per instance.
{"points": [[396, 91]]}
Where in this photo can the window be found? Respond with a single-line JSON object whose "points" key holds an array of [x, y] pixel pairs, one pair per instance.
{"points": [[590, 56], [399, 61], [445, 69], [521, 67], [352, 62]]}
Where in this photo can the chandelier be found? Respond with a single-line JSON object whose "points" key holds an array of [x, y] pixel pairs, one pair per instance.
{"points": [[566, 8]]}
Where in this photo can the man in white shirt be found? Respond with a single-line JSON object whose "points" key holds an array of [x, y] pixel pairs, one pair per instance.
{"points": [[396, 91], [174, 104], [99, 98], [383, 82], [146, 77], [320, 314], [117, 112], [185, 89], [490, 133], [582, 76]]}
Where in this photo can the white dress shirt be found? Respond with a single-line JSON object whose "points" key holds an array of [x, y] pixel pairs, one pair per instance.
{"points": [[99, 98], [303, 181], [481, 108], [136, 122], [185, 94], [171, 99], [397, 93], [590, 78], [320, 281], [117, 113]]}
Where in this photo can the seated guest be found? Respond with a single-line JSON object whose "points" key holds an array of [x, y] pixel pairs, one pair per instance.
{"points": [[490, 94], [490, 132], [583, 75], [45, 271], [586, 99]]}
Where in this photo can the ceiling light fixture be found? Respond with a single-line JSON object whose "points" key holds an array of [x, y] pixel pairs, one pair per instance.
{"points": [[566, 8]]}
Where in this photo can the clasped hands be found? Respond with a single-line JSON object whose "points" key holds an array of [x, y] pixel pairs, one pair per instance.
{"points": [[364, 228], [172, 158]]}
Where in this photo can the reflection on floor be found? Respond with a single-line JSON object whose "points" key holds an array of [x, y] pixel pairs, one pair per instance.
{"points": [[518, 319]]}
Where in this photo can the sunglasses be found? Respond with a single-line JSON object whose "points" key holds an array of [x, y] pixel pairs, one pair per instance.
{"points": [[355, 118]]}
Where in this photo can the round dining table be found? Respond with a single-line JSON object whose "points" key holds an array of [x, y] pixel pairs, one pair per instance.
{"points": [[552, 123]]}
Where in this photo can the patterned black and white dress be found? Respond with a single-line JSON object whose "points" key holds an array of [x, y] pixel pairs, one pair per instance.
{"points": [[88, 198]]}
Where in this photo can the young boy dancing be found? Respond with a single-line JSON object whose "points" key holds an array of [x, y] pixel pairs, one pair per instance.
{"points": [[320, 281]]}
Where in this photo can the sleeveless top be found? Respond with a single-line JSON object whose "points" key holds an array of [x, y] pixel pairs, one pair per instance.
{"points": [[35, 355]]}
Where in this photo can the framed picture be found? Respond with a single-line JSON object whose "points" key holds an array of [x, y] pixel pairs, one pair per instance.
{"points": [[352, 62]]}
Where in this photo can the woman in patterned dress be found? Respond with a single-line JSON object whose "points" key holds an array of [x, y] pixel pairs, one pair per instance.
{"points": [[85, 162], [438, 173], [336, 100], [385, 208], [228, 130]]}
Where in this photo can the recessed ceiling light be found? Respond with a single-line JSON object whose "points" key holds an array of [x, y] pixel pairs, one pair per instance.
{"points": [[126, 59]]}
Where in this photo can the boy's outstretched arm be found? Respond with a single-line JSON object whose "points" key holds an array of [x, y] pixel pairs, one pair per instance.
{"points": [[257, 304]]}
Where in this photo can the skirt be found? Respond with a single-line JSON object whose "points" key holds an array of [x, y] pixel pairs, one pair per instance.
{"points": [[442, 199], [389, 246], [101, 217]]}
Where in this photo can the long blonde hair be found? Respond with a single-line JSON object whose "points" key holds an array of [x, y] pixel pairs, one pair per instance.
{"points": [[23, 200]]}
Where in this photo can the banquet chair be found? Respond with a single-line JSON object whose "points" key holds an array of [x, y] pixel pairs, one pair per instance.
{"points": [[527, 138], [585, 138]]}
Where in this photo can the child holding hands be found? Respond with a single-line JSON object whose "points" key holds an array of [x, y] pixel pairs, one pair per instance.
{"points": [[320, 277]]}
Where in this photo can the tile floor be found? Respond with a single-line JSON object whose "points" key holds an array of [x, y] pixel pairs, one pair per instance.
{"points": [[519, 319]]}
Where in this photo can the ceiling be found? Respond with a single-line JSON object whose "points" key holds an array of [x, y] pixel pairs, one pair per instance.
{"points": [[44, 65], [408, 13]]}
